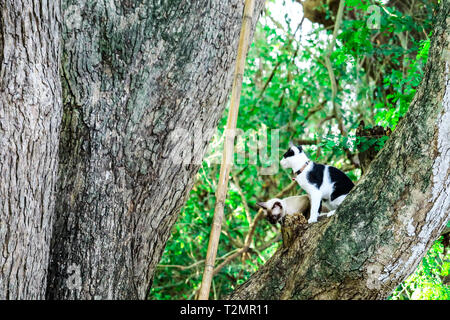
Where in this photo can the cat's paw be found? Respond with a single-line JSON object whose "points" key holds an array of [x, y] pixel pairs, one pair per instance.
{"points": [[312, 220], [329, 214]]}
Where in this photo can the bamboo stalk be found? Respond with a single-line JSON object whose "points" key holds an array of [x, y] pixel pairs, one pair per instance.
{"points": [[227, 157]]}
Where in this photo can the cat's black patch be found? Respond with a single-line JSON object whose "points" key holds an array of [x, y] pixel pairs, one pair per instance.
{"points": [[320, 207], [288, 153], [315, 175], [277, 204], [342, 183]]}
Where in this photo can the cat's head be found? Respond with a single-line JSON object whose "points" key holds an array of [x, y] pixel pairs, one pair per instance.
{"points": [[274, 210], [294, 157]]}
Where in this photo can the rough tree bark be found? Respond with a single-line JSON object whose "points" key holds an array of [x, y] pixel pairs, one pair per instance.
{"points": [[30, 113], [134, 74], [383, 229]]}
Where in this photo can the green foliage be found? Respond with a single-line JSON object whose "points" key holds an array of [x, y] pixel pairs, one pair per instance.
{"points": [[287, 87], [427, 282], [404, 87]]}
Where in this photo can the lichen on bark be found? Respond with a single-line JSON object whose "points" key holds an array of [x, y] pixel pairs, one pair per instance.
{"points": [[30, 113]]}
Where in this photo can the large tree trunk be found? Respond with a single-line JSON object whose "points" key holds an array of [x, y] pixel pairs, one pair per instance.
{"points": [[30, 115], [134, 74], [385, 226]]}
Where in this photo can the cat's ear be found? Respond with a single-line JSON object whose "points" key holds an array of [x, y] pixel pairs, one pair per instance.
{"points": [[277, 204], [262, 205]]}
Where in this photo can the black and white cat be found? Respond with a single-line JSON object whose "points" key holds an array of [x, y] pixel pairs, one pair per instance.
{"points": [[325, 185]]}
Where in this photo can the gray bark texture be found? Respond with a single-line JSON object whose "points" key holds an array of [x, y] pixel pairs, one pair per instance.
{"points": [[30, 114], [385, 226], [144, 85]]}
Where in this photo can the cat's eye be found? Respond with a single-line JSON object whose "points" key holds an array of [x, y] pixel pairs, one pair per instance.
{"points": [[289, 153]]}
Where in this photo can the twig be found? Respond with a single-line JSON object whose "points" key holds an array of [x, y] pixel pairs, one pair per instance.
{"points": [[305, 142], [274, 70], [327, 118], [182, 267], [252, 228], [319, 106], [315, 57], [333, 81], [266, 84], [228, 260], [234, 241], [330, 67], [269, 243], [244, 201], [179, 266]]}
